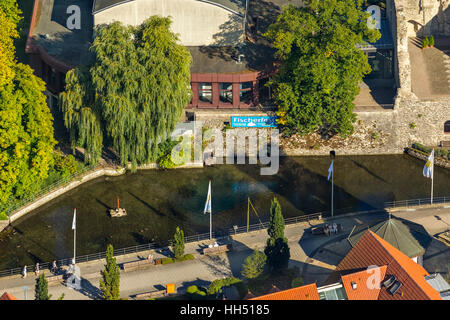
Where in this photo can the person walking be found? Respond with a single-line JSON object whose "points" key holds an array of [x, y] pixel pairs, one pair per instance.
{"points": [[24, 272], [54, 267], [37, 269]]}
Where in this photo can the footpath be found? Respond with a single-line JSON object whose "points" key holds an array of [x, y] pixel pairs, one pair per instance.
{"points": [[204, 269]]}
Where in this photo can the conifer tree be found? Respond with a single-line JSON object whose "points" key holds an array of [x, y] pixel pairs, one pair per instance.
{"points": [[178, 243], [110, 282], [277, 248], [41, 289]]}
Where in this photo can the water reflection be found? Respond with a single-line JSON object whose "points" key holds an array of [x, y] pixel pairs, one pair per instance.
{"points": [[158, 201]]}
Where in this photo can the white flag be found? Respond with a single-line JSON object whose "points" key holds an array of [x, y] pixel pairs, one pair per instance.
{"points": [[330, 170], [208, 200], [74, 224], [428, 168]]}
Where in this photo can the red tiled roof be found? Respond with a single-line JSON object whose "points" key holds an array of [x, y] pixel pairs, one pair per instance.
{"points": [[7, 296], [373, 250], [357, 287], [308, 292]]}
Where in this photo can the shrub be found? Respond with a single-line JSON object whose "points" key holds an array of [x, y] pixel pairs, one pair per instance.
{"points": [[194, 292], [167, 260], [65, 165], [3, 216], [431, 41], [254, 265], [425, 43], [216, 285], [412, 125]]}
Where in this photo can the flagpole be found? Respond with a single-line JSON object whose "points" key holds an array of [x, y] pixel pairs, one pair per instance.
{"points": [[432, 178], [210, 213], [74, 236], [332, 191]]}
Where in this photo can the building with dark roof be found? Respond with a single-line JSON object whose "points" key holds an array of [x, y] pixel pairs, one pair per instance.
{"points": [[411, 242], [231, 60]]}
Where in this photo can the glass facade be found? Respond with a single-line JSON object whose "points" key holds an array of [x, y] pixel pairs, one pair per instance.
{"points": [[381, 62], [333, 294], [226, 92], [205, 92], [246, 92]]}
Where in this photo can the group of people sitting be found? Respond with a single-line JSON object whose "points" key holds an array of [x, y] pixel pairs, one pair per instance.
{"points": [[330, 229]]}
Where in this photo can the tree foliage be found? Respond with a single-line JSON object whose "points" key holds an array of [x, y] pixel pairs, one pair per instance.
{"points": [[276, 220], [26, 130], [277, 248], [41, 288], [110, 282], [254, 265], [178, 243], [321, 65], [278, 253], [133, 94]]}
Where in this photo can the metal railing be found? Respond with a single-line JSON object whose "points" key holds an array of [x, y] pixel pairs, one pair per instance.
{"points": [[151, 246], [13, 204], [416, 202], [225, 234]]}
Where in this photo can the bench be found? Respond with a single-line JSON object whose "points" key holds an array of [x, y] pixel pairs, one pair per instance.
{"points": [[134, 265], [55, 279], [153, 294], [218, 250]]}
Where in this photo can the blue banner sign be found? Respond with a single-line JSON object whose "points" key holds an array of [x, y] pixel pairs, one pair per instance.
{"points": [[253, 122]]}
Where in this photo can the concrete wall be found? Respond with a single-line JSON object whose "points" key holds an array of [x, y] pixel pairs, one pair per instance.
{"points": [[197, 23]]}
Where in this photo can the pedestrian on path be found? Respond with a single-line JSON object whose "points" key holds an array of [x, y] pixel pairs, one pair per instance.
{"points": [[24, 272], [54, 267], [37, 269]]}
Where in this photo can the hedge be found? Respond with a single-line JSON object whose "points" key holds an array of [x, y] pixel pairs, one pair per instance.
{"points": [[172, 260], [439, 152]]}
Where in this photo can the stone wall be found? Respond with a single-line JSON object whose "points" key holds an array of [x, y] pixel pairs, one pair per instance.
{"points": [[427, 17]]}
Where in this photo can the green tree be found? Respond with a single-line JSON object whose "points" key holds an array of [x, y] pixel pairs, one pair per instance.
{"points": [[276, 220], [178, 243], [320, 64], [254, 265], [11, 10], [41, 289], [277, 248], [132, 95], [26, 128], [278, 253], [110, 282]]}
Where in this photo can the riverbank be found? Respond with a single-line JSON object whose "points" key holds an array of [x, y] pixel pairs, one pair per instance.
{"points": [[440, 162], [91, 175]]}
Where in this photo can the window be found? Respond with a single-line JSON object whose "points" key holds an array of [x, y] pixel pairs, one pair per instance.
{"points": [[447, 127], [226, 92], [246, 92], [205, 92]]}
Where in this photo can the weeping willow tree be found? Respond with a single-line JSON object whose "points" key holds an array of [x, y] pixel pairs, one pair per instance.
{"points": [[134, 93]]}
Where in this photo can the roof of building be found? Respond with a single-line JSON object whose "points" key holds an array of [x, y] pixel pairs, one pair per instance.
{"points": [[307, 292], [409, 241], [372, 250], [438, 283], [52, 34], [7, 296], [237, 6], [357, 287]]}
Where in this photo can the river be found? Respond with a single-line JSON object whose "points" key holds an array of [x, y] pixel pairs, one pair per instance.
{"points": [[158, 201]]}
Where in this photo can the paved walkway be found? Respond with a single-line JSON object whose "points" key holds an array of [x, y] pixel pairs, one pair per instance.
{"points": [[204, 269]]}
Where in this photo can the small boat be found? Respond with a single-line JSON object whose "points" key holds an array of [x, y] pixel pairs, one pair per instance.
{"points": [[118, 212]]}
